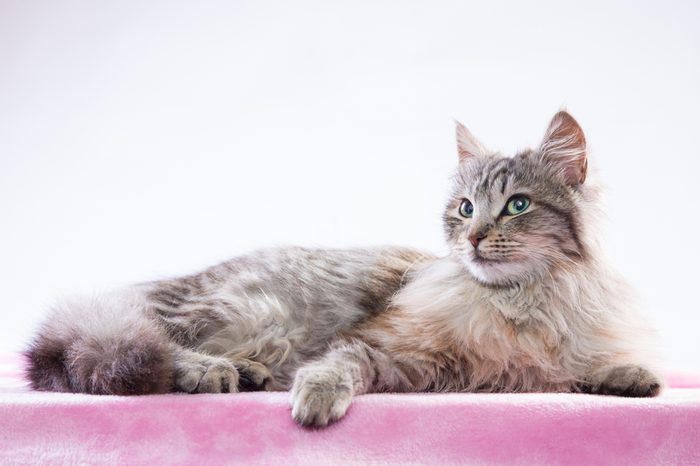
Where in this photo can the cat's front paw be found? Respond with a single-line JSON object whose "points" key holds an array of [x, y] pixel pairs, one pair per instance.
{"points": [[206, 374], [626, 380], [320, 396]]}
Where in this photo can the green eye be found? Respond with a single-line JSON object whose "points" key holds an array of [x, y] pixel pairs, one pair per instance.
{"points": [[466, 209], [517, 205]]}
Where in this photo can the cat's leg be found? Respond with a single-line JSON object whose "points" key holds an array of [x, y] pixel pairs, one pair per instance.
{"points": [[197, 372], [623, 380], [323, 389]]}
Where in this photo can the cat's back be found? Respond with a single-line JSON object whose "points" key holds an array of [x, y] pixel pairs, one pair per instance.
{"points": [[319, 276], [304, 279]]}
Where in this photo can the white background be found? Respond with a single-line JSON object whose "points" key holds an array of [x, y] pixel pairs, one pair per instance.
{"points": [[141, 140]]}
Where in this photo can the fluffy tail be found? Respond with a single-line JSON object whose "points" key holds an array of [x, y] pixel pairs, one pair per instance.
{"points": [[102, 346]]}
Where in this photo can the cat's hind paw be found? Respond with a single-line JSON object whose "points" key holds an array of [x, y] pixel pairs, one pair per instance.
{"points": [[320, 396]]}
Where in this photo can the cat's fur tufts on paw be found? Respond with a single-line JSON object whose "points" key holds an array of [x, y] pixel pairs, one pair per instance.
{"points": [[626, 380], [320, 396]]}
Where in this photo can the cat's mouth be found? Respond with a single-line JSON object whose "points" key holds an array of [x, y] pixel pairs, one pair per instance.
{"points": [[499, 271], [493, 272], [479, 258]]}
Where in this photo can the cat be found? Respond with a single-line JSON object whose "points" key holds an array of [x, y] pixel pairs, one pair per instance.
{"points": [[523, 302]]}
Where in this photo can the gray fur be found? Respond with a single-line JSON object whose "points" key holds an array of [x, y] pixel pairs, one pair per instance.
{"points": [[529, 306], [265, 313]]}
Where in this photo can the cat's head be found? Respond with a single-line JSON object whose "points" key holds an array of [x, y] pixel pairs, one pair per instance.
{"points": [[515, 219]]}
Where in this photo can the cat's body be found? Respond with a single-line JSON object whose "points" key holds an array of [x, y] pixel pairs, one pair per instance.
{"points": [[278, 307], [523, 303]]}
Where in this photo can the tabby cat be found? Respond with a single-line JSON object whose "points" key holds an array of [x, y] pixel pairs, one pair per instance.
{"points": [[522, 303]]}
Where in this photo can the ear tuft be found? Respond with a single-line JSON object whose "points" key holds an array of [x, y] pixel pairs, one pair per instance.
{"points": [[467, 144], [564, 148]]}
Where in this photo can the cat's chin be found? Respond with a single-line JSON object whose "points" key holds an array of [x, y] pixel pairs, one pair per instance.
{"points": [[497, 273]]}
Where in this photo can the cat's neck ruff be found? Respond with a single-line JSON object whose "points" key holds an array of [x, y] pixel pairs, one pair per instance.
{"points": [[444, 289]]}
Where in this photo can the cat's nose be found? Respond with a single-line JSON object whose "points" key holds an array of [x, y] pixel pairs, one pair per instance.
{"points": [[475, 238]]}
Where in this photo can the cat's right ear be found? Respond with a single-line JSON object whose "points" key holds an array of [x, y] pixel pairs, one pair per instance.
{"points": [[564, 148], [467, 144]]}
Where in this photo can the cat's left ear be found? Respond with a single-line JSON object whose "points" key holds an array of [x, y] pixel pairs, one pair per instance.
{"points": [[467, 145], [564, 148]]}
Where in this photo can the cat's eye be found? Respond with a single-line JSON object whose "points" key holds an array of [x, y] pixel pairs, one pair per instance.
{"points": [[516, 205], [466, 209]]}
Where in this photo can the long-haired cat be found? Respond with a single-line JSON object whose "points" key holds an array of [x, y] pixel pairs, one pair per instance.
{"points": [[523, 302]]}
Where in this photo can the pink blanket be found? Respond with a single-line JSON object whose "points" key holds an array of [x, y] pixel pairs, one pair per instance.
{"points": [[256, 428]]}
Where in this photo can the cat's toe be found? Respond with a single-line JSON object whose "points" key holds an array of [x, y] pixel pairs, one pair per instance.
{"points": [[253, 376], [628, 380], [318, 399], [187, 380], [219, 378]]}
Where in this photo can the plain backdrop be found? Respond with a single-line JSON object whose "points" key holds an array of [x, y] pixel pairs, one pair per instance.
{"points": [[141, 140]]}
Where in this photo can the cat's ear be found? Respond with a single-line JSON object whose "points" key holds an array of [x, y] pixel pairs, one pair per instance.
{"points": [[564, 148], [467, 144]]}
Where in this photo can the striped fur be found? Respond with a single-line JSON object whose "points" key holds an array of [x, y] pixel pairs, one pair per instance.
{"points": [[521, 303]]}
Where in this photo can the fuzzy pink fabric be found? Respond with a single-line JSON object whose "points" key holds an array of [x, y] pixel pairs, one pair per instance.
{"points": [[256, 428]]}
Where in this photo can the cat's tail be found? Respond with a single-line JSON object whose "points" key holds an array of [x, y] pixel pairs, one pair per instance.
{"points": [[103, 345]]}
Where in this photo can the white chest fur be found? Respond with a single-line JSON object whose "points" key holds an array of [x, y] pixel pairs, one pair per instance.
{"points": [[525, 335]]}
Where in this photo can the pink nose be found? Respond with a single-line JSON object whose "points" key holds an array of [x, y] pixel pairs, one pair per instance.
{"points": [[475, 239]]}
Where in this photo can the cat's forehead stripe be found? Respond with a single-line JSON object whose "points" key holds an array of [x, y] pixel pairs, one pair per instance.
{"points": [[500, 172], [493, 172]]}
